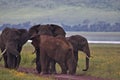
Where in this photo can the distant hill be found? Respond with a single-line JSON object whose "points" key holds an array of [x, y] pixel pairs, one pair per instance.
{"points": [[85, 26]]}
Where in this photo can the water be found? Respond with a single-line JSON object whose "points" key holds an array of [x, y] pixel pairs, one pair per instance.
{"points": [[99, 37]]}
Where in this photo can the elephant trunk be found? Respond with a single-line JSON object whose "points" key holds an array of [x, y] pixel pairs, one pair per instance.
{"points": [[13, 51], [87, 52], [87, 64]]}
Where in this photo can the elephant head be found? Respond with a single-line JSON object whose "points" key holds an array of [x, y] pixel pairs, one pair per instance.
{"points": [[55, 29], [12, 41], [80, 43]]}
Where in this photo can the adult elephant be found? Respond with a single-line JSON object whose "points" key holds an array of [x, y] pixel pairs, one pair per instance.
{"points": [[56, 49], [54, 30], [80, 43], [11, 42]]}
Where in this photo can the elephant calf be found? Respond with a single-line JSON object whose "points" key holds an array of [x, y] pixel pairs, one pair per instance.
{"points": [[58, 49], [80, 43]]}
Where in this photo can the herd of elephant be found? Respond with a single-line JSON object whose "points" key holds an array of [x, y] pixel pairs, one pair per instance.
{"points": [[51, 47]]}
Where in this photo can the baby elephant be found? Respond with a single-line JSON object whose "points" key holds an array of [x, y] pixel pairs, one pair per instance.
{"points": [[57, 49]]}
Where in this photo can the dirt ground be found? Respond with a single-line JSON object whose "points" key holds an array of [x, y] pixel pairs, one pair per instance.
{"points": [[60, 76]]}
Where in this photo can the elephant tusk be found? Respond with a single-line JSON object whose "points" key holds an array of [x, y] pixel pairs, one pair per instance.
{"points": [[87, 56], [2, 54]]}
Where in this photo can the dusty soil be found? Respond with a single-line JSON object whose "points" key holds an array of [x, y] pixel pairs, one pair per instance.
{"points": [[61, 76], [58, 76]]}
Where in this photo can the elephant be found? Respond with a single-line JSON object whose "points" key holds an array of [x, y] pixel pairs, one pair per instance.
{"points": [[11, 42], [56, 49], [50, 29], [80, 43]]}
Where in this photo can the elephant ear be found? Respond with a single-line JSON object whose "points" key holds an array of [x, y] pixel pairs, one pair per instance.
{"points": [[57, 30], [34, 36], [24, 36]]}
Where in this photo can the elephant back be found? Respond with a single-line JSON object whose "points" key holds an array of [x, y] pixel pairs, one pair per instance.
{"points": [[57, 30]]}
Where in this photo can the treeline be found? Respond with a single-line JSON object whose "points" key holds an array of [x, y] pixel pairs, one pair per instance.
{"points": [[95, 27], [25, 25]]}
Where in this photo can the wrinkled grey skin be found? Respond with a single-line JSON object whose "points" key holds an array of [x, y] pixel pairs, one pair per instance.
{"points": [[48, 29], [80, 43], [12, 40]]}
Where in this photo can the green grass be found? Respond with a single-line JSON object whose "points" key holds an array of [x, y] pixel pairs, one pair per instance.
{"points": [[104, 63], [6, 74], [27, 57]]}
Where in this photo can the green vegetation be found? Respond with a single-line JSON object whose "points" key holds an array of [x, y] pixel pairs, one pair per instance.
{"points": [[6, 74], [104, 63]]}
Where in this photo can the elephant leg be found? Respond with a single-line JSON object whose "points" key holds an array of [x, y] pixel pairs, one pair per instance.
{"points": [[44, 67], [76, 55], [10, 60], [48, 65], [63, 67], [52, 67], [17, 61], [71, 65], [38, 65], [44, 63], [14, 62], [5, 61]]}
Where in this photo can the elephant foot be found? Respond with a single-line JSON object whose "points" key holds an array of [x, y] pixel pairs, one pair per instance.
{"points": [[43, 73], [64, 73], [85, 69], [6, 66], [71, 73], [39, 72], [38, 69], [53, 72]]}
